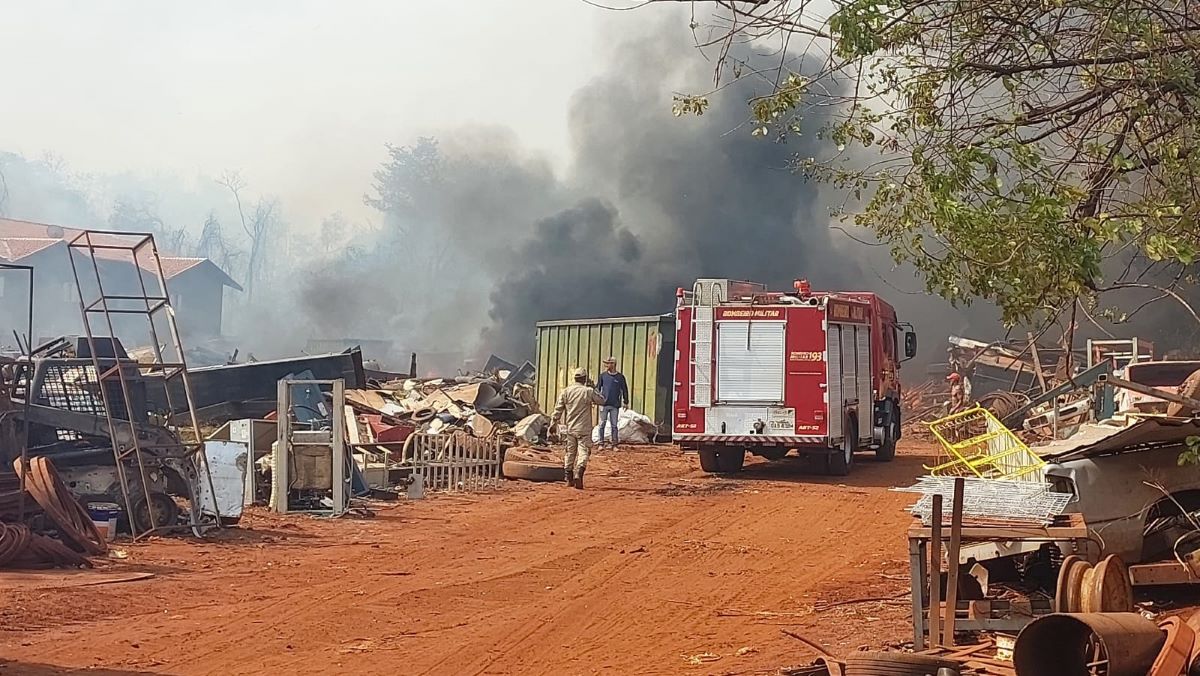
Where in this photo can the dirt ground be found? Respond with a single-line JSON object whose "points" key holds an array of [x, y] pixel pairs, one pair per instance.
{"points": [[656, 568]]}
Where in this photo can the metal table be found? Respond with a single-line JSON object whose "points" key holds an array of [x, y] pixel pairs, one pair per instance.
{"points": [[1066, 528]]}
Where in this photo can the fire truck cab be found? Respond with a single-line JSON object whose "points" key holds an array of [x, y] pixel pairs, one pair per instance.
{"points": [[767, 372]]}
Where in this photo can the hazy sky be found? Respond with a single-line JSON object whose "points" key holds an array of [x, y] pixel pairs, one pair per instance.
{"points": [[300, 95]]}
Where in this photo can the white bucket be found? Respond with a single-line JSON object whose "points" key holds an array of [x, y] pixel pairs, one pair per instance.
{"points": [[104, 517]]}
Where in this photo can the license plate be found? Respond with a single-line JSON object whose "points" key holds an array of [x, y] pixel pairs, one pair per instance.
{"points": [[781, 420]]}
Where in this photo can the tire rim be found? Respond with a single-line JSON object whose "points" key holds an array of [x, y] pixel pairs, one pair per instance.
{"points": [[848, 446]]}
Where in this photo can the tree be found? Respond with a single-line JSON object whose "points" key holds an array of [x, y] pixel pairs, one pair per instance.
{"points": [[212, 245], [408, 178], [1034, 154], [410, 189], [139, 213], [258, 224]]}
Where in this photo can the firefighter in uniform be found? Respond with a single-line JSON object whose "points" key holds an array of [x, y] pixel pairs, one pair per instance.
{"points": [[958, 395], [573, 415]]}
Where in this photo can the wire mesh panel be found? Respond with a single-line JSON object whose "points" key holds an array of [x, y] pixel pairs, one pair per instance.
{"points": [[455, 462], [996, 501], [975, 443]]}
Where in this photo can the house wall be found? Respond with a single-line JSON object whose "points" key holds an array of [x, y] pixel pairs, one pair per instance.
{"points": [[56, 301], [196, 294], [198, 298]]}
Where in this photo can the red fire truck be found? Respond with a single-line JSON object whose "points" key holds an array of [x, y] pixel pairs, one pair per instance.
{"points": [[766, 372]]}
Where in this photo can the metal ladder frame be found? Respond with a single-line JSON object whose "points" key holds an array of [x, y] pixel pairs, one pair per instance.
{"points": [[126, 247], [700, 303]]}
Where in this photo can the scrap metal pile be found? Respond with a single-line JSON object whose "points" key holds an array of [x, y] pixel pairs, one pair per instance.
{"points": [[44, 526], [498, 403]]}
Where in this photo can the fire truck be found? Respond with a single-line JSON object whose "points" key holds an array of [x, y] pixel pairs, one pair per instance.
{"points": [[768, 372]]}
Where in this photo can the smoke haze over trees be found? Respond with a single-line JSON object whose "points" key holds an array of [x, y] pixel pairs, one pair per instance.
{"points": [[477, 238]]}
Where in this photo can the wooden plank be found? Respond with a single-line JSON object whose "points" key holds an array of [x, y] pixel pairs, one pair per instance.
{"points": [[1037, 363], [985, 533], [916, 580], [956, 517], [935, 573], [352, 432]]}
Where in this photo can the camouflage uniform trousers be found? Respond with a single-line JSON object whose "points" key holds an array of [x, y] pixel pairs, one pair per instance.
{"points": [[579, 448]]}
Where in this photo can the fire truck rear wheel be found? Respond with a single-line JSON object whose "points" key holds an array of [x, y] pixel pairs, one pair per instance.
{"points": [[730, 460], [841, 460], [722, 459], [708, 460]]}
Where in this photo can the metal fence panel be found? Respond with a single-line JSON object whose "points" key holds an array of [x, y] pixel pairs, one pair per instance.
{"points": [[456, 462]]}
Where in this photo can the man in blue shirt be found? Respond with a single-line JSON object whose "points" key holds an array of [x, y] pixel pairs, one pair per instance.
{"points": [[615, 390]]}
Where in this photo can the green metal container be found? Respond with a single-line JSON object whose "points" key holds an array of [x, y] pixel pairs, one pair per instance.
{"points": [[643, 346]]}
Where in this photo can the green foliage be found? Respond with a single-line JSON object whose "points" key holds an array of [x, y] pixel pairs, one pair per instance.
{"points": [[1191, 455], [689, 105], [1025, 153]]}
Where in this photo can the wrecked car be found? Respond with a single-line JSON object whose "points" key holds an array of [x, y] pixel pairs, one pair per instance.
{"points": [[1128, 484]]}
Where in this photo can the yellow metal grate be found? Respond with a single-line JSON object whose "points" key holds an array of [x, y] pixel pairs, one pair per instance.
{"points": [[975, 443]]}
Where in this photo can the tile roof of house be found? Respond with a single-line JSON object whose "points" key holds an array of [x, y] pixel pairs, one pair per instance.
{"points": [[172, 266], [19, 239], [13, 249]]}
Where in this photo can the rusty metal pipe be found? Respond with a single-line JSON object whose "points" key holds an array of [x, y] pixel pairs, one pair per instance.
{"points": [[1058, 644]]}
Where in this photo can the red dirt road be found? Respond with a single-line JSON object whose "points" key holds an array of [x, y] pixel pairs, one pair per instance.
{"points": [[655, 569]]}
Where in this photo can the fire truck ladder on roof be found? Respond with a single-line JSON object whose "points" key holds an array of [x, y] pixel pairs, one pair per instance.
{"points": [[137, 455], [705, 297]]}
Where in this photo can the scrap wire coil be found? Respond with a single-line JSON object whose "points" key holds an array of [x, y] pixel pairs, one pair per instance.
{"points": [[74, 524], [22, 548]]}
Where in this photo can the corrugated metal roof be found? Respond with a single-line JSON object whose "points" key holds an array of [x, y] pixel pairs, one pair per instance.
{"points": [[606, 320], [1099, 439]]}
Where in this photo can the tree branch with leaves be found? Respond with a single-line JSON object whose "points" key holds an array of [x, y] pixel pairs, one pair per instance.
{"points": [[1029, 153]]}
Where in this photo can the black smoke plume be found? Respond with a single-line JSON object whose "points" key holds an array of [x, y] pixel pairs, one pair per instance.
{"points": [[703, 197]]}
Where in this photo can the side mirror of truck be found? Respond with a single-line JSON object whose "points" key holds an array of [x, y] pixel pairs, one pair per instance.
{"points": [[910, 340]]}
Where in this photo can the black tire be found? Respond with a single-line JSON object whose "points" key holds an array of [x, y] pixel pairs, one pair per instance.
{"points": [[841, 461], [532, 471], [709, 461], [886, 452], [160, 512], [731, 460]]}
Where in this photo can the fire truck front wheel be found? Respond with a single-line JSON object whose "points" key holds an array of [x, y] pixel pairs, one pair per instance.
{"points": [[886, 451]]}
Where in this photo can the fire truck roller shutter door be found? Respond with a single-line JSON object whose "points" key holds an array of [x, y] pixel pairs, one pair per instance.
{"points": [[849, 366], [833, 379], [750, 361], [866, 399]]}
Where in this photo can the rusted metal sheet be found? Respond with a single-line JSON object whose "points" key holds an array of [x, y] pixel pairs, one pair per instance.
{"points": [[1163, 573]]}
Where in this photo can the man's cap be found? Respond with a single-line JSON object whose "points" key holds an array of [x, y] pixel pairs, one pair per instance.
{"points": [[610, 360], [580, 373], [953, 376]]}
